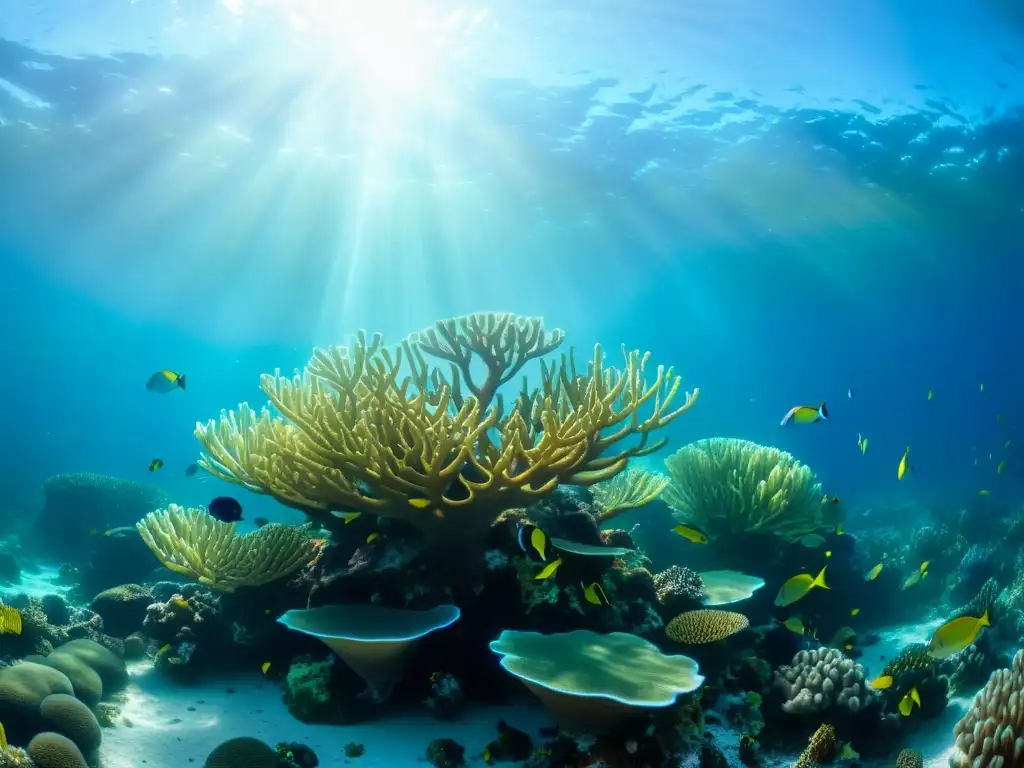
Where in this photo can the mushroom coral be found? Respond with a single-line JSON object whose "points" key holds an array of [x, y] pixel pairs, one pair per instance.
{"points": [[415, 433], [376, 642], [593, 682]]}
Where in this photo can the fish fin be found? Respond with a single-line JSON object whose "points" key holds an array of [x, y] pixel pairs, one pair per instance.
{"points": [[819, 580], [181, 382], [786, 419], [419, 503], [915, 696], [822, 410], [984, 620]]}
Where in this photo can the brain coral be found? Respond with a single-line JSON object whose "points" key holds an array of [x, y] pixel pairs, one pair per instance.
{"points": [[51, 750], [70, 717], [243, 752], [22, 689], [819, 679], [93, 670], [705, 626], [991, 732]]}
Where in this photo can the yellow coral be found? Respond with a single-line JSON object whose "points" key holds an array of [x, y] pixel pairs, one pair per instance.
{"points": [[729, 486], [705, 625], [821, 749], [383, 431], [197, 545], [627, 490]]}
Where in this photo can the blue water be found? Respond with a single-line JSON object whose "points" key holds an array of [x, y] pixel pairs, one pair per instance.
{"points": [[782, 201]]}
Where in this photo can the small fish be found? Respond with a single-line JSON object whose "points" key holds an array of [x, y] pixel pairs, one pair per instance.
{"points": [[374, 537], [828, 553], [3, 738], [226, 509], [795, 625], [913, 579], [862, 443], [532, 537], [981, 387], [854, 611], [812, 540], [191, 470], [983, 492], [907, 702], [10, 620], [1000, 467], [549, 570], [797, 587], [902, 469], [265, 666], [166, 381], [155, 464], [956, 634], [805, 414], [848, 647], [420, 503], [348, 517], [849, 393], [691, 533], [873, 573], [931, 394], [882, 683], [594, 594], [839, 529]]}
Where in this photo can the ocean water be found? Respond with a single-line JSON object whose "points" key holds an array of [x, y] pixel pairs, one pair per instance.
{"points": [[790, 203]]}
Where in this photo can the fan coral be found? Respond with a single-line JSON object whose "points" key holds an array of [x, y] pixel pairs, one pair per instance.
{"points": [[371, 429], [727, 486], [705, 626], [990, 734], [628, 490], [816, 680], [821, 749], [678, 580]]}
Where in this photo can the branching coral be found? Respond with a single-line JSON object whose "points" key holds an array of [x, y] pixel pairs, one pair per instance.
{"points": [[370, 429], [627, 490], [992, 731], [193, 543], [819, 679], [727, 486]]}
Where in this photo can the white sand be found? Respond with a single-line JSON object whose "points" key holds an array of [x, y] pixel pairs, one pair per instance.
{"points": [[166, 734], [37, 582]]}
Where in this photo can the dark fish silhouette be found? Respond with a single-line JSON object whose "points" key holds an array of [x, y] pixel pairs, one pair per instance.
{"points": [[191, 469], [225, 509]]}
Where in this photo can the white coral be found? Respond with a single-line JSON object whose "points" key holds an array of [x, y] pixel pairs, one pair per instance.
{"points": [[816, 680]]}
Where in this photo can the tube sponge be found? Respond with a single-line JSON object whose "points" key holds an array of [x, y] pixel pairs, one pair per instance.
{"points": [[819, 679], [593, 682], [728, 486], [992, 731]]}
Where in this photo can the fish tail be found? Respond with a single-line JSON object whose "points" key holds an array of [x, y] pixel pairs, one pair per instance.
{"points": [[181, 382], [984, 620], [819, 580], [822, 410]]}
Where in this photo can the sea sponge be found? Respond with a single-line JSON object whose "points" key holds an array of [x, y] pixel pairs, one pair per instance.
{"points": [[992, 731], [51, 750], [22, 689], [821, 748], [705, 626], [122, 608], [243, 752], [70, 717], [727, 486], [594, 682], [816, 680], [376, 642], [911, 758]]}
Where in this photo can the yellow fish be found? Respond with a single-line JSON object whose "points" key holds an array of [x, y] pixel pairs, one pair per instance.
{"points": [[873, 573], [549, 570], [166, 381], [862, 443], [532, 537], [854, 611], [882, 683], [930, 394], [348, 517], [907, 702], [594, 594], [374, 536], [839, 529], [155, 464], [10, 620], [902, 470], [420, 503], [983, 492], [795, 624], [691, 533], [805, 414], [1000, 467], [265, 666], [828, 553], [3, 738], [955, 635], [797, 587], [848, 647]]}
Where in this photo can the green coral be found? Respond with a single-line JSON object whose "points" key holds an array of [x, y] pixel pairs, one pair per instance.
{"points": [[308, 694], [727, 487]]}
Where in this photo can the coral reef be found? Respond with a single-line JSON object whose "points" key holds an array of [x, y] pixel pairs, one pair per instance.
{"points": [[821, 748], [122, 608], [909, 758], [819, 679], [990, 734], [706, 625], [628, 490]]}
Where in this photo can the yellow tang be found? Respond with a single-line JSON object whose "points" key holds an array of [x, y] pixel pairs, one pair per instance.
{"points": [[532, 537], [873, 573], [373, 537], [10, 620], [881, 683], [794, 624], [265, 666], [549, 570], [797, 587], [805, 414], [955, 635], [902, 470], [691, 533], [907, 702], [594, 594], [348, 517]]}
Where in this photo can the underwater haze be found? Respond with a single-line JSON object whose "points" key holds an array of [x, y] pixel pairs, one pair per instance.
{"points": [[792, 203]]}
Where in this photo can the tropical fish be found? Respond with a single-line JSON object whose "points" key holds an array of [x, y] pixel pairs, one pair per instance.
{"points": [[849, 393], [265, 666], [907, 702], [902, 470], [549, 569], [797, 587], [3, 738], [155, 464], [419, 502], [873, 573], [812, 540], [225, 509], [844, 636], [1000, 467], [10, 620], [882, 683], [931, 394], [956, 634], [828, 553], [916, 576], [839, 529], [166, 381], [348, 517], [854, 611], [594, 594], [862, 443], [374, 537], [532, 537], [795, 624], [848, 646], [691, 533], [191, 470], [805, 414]]}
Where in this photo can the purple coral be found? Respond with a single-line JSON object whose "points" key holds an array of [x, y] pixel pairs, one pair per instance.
{"points": [[679, 581]]}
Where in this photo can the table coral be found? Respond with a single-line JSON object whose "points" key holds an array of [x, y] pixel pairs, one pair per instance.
{"points": [[819, 679]]}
